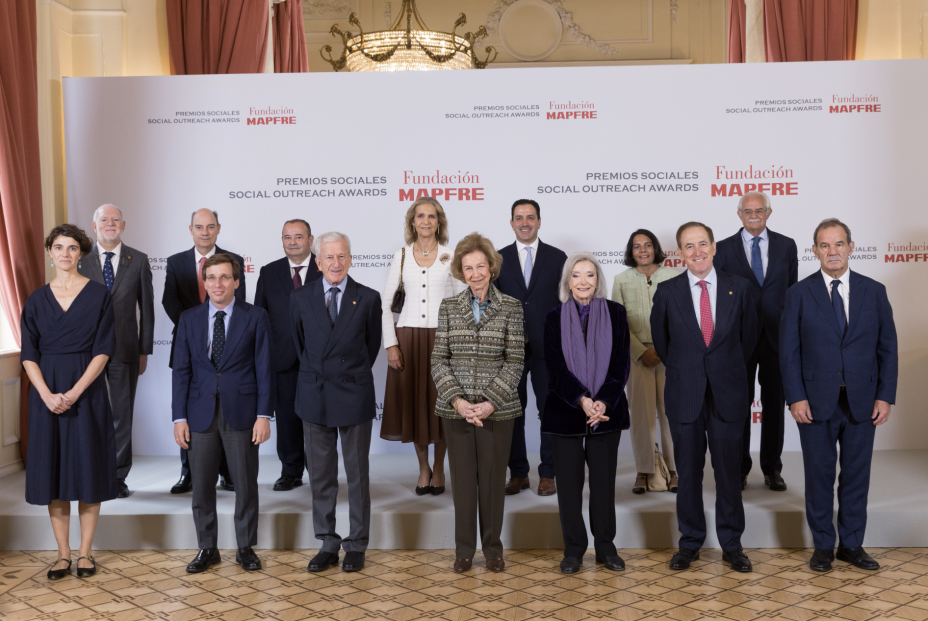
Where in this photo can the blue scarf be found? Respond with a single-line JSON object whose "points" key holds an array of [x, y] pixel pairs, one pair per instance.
{"points": [[587, 360]]}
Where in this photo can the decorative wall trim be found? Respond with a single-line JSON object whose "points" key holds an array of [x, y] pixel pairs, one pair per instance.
{"points": [[509, 16], [9, 408], [103, 12], [327, 9], [673, 11], [567, 21], [16, 466]]}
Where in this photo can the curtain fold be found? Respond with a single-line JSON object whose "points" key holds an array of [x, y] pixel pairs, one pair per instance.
{"points": [[289, 38], [217, 36], [737, 31], [801, 30]]}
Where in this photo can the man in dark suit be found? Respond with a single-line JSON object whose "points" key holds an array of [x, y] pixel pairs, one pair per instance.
{"points": [[704, 325], [336, 330], [223, 396], [531, 273], [839, 359], [126, 273], [184, 289], [769, 261], [276, 282]]}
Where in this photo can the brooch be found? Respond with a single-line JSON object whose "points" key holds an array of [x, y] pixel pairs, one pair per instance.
{"points": [[444, 258]]}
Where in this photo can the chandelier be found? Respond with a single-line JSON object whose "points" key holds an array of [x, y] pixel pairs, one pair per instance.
{"points": [[404, 48]]}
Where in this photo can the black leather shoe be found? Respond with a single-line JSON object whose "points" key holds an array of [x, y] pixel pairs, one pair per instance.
{"points": [[123, 489], [775, 482], [226, 484], [612, 563], [204, 560], [322, 561], [285, 483], [738, 560], [821, 560], [683, 557], [58, 574], [571, 565], [858, 558], [182, 486], [354, 561], [248, 559], [744, 482], [86, 572]]}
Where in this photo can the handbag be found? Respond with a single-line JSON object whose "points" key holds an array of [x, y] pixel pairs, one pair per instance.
{"points": [[660, 480], [399, 297]]}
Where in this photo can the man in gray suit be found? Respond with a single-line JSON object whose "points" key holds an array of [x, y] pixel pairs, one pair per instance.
{"points": [[126, 273]]}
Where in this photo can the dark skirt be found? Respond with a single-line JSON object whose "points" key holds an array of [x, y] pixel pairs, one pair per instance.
{"points": [[409, 399]]}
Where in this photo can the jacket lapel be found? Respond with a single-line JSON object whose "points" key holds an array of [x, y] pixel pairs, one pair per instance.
{"points": [[467, 310], [96, 272], [724, 306], [200, 334], [540, 255], [234, 332], [823, 299], [349, 304], [124, 259], [511, 262], [317, 305], [684, 302], [189, 274], [286, 281], [859, 285], [742, 258]]}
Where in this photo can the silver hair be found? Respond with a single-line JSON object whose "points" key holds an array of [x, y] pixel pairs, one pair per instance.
{"points": [[328, 238], [755, 194], [194, 215], [97, 212], [564, 289]]}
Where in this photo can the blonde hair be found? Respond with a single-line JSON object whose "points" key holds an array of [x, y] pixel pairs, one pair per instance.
{"points": [[441, 234], [579, 257], [473, 243]]}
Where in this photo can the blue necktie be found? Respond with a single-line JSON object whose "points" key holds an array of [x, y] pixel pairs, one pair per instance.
{"points": [[219, 338], [108, 270], [838, 302], [528, 266], [757, 262], [333, 305]]}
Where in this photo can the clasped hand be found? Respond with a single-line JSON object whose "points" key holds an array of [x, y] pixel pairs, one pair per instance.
{"points": [[474, 413], [595, 411], [61, 402]]}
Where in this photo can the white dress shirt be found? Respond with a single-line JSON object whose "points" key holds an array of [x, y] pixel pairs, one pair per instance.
{"points": [[326, 285], [711, 280], [197, 256], [117, 251], [748, 241], [534, 249], [304, 265], [844, 289]]}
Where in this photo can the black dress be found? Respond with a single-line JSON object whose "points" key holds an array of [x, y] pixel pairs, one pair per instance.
{"points": [[72, 456]]}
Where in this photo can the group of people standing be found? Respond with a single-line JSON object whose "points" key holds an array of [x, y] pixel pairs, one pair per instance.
{"points": [[463, 330]]}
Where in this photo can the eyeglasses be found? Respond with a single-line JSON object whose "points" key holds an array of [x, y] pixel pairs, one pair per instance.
{"points": [[754, 212], [223, 279]]}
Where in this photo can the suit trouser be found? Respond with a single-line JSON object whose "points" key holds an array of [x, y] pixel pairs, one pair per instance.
{"points": [[322, 464], [518, 455], [723, 440], [820, 440], [122, 380], [571, 456], [205, 450], [478, 457], [773, 417], [645, 391], [289, 426]]}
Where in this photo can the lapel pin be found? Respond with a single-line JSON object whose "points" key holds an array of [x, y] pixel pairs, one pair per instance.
{"points": [[353, 302], [729, 293]]}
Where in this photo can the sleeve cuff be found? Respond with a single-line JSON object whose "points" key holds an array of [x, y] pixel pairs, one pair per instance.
{"points": [[180, 420]]}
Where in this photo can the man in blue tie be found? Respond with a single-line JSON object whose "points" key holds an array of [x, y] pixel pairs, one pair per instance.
{"points": [[769, 261], [839, 360]]}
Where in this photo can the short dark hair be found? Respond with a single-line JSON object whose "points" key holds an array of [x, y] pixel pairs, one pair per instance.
{"points": [[219, 259], [693, 225], [525, 201], [309, 230], [659, 255], [827, 223], [73, 232]]}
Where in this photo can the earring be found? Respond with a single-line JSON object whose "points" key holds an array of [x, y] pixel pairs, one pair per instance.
{"points": [[53, 264], [78, 264]]}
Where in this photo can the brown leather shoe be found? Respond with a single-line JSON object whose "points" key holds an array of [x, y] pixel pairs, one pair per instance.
{"points": [[674, 483], [496, 565], [546, 487], [462, 564], [641, 484], [516, 485]]}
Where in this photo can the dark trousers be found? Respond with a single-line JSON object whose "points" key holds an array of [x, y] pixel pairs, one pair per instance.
{"points": [[572, 454], [322, 465], [518, 456], [820, 440], [723, 439], [478, 458], [289, 426], [773, 416], [122, 380], [205, 451]]}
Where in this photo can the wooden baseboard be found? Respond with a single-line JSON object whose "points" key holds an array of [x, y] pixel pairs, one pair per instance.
{"points": [[16, 466]]}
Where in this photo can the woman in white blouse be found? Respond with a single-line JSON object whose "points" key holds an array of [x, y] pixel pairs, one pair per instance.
{"points": [[409, 401]]}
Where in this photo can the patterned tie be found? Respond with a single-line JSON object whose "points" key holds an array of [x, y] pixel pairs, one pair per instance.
{"points": [[705, 313], [528, 265], [333, 305], [219, 338], [757, 263], [297, 282], [108, 270], [838, 302], [200, 286]]}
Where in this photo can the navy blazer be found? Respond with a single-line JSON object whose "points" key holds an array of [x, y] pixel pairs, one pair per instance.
{"points": [[273, 295], [181, 291], [562, 414], [813, 352], [690, 364], [540, 296], [336, 383], [245, 378], [782, 273]]}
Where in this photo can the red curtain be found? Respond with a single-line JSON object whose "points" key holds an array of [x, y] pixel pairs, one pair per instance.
{"points": [[217, 36], [796, 30], [289, 38], [737, 35]]}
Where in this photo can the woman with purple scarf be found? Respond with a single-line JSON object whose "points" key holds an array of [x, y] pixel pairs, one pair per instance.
{"points": [[587, 355]]}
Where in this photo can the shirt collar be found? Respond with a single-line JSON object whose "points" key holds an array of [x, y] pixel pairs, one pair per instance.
{"points": [[213, 310], [303, 264], [710, 278], [116, 251], [533, 246], [207, 255], [845, 278], [326, 285], [749, 239]]}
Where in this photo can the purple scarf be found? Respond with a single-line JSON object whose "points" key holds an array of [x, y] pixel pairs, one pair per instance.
{"points": [[587, 360]]}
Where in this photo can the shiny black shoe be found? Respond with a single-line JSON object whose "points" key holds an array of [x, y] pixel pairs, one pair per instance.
{"points": [[354, 561], [821, 560], [571, 565], [775, 482], [858, 558], [322, 561], [58, 574], [204, 560], [738, 560], [182, 486], [226, 484], [682, 558], [248, 559], [86, 572], [612, 563], [285, 483], [424, 490], [123, 489]]}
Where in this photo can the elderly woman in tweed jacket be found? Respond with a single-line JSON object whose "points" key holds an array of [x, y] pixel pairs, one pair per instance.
{"points": [[477, 364]]}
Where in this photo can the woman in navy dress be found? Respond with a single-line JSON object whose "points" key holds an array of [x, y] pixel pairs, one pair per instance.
{"points": [[67, 339]]}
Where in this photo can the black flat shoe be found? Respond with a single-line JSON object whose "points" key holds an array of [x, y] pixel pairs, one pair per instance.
{"points": [[775, 482], [424, 490], [248, 559], [354, 561], [738, 560], [58, 574], [821, 560], [123, 489], [322, 561], [285, 483], [571, 565], [858, 558], [204, 560], [612, 563], [682, 558], [86, 572], [226, 484], [183, 485]]}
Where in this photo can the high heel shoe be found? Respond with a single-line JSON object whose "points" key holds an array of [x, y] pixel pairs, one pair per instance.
{"points": [[86, 572], [58, 574], [436, 490], [425, 489]]}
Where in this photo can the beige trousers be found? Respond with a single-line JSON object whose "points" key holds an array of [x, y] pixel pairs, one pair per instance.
{"points": [[645, 391]]}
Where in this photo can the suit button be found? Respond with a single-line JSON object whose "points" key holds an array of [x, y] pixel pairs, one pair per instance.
{"points": [[213, 396], [423, 286], [703, 374], [344, 380], [343, 359], [423, 316], [219, 375], [325, 381], [838, 372], [423, 271], [423, 301], [325, 359]]}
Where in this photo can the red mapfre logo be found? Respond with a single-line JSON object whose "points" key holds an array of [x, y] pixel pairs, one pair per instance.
{"points": [[571, 110], [854, 103], [271, 116], [908, 252]]}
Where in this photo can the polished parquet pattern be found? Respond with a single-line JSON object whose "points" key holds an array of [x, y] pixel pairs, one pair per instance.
{"points": [[419, 584]]}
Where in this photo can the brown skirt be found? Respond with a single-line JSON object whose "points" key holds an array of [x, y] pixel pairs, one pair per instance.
{"points": [[409, 399]]}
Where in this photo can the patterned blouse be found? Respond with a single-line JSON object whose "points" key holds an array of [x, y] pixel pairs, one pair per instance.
{"points": [[479, 362]]}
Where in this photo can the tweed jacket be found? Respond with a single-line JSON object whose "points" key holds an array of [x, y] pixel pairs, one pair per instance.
{"points": [[479, 362]]}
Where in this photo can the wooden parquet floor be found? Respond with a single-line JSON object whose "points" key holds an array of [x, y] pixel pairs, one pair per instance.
{"points": [[419, 584]]}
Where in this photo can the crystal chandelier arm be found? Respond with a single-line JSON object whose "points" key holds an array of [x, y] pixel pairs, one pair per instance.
{"points": [[342, 60], [472, 39]]}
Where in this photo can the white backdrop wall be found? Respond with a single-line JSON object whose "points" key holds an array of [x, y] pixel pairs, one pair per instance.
{"points": [[603, 150]]}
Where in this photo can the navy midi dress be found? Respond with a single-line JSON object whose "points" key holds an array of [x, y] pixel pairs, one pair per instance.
{"points": [[72, 456]]}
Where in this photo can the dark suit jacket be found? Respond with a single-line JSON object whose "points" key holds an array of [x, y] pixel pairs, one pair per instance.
{"points": [[563, 414], [273, 295], [782, 273], [540, 296], [133, 301], [181, 291], [813, 353], [690, 364], [245, 378], [336, 384]]}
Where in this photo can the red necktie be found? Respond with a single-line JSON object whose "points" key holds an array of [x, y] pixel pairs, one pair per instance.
{"points": [[297, 283], [200, 287], [705, 313]]}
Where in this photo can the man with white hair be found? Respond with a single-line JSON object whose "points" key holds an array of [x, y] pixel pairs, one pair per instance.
{"points": [[126, 273]]}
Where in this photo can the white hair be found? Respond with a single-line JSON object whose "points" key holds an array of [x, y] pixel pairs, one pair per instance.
{"points": [[102, 207], [328, 238], [579, 257], [755, 194]]}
